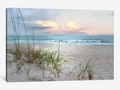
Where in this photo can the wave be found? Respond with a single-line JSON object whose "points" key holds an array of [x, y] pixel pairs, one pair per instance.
{"points": [[65, 42], [84, 41]]}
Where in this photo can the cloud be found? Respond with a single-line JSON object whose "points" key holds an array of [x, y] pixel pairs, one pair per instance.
{"points": [[72, 26], [47, 23], [89, 32], [69, 28]]}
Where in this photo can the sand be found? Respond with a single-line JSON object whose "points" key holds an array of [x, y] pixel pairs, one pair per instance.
{"points": [[102, 61]]}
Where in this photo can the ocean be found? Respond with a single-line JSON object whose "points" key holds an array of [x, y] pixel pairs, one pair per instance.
{"points": [[104, 40]]}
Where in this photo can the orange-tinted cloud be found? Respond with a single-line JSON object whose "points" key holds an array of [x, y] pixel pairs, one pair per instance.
{"points": [[70, 26], [89, 32], [47, 23]]}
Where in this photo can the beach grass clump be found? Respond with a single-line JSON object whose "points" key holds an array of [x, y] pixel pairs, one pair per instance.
{"points": [[52, 60], [19, 66], [57, 62], [27, 70], [38, 57], [29, 55], [84, 71], [16, 52], [90, 72], [35, 56]]}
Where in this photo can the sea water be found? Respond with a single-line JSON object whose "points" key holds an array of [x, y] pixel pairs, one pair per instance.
{"points": [[64, 40]]}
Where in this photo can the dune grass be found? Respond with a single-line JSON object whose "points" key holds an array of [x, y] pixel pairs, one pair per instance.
{"points": [[19, 66], [27, 70], [57, 61], [84, 71], [90, 72], [16, 52]]}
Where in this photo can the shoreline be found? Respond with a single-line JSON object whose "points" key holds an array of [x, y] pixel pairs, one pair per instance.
{"points": [[62, 45]]}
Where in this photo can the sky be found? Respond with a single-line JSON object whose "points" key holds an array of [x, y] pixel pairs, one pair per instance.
{"points": [[61, 21]]}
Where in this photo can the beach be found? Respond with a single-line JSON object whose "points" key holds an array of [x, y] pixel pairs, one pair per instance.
{"points": [[102, 59]]}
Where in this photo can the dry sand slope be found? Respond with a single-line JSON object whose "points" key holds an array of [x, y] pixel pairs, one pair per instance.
{"points": [[102, 61]]}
